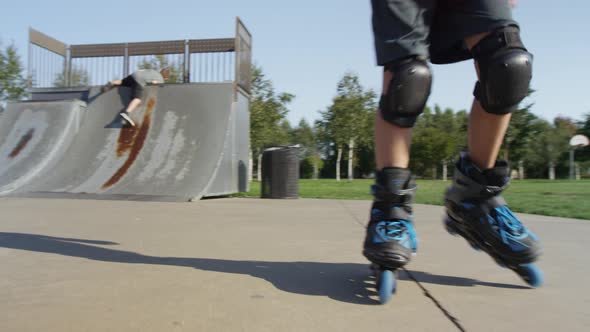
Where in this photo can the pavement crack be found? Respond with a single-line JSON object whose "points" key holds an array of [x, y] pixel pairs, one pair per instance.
{"points": [[358, 221], [426, 292], [429, 295]]}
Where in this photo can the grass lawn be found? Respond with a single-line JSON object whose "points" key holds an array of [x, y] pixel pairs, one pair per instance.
{"points": [[560, 198]]}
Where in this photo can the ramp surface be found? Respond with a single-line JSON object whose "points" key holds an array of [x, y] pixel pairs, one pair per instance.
{"points": [[183, 135], [33, 137]]}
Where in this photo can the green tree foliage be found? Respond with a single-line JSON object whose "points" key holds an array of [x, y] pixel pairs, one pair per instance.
{"points": [[583, 154], [159, 62], [522, 130], [365, 161], [440, 134], [12, 83], [268, 109], [438, 137], [548, 147], [349, 114], [283, 135], [306, 136], [78, 77], [348, 121]]}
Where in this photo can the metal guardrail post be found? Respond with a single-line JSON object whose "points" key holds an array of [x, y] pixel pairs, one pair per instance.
{"points": [[187, 63], [126, 61], [68, 67], [30, 64]]}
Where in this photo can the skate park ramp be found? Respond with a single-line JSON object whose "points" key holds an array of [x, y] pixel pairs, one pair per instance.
{"points": [[190, 141], [34, 136]]}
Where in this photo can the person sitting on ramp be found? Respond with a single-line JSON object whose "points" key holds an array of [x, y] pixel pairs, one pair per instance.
{"points": [[137, 82]]}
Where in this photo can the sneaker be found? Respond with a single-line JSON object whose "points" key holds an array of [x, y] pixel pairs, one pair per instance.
{"points": [[127, 118]]}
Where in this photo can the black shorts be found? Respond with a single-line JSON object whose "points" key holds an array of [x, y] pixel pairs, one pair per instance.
{"points": [[137, 90], [435, 29]]}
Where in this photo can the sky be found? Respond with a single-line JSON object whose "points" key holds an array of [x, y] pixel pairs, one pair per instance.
{"points": [[306, 46]]}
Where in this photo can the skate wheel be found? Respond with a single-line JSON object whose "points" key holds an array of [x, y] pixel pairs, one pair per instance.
{"points": [[385, 285], [448, 227], [531, 274], [374, 268], [500, 263]]}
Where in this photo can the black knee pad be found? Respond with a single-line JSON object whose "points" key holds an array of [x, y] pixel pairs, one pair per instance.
{"points": [[505, 71], [408, 92]]}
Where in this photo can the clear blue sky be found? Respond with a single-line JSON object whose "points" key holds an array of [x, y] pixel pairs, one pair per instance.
{"points": [[306, 46]]}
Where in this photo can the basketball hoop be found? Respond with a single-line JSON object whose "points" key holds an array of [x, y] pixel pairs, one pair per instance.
{"points": [[579, 141]]}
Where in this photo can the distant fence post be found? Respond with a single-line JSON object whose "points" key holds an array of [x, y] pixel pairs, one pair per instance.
{"points": [[68, 66], [126, 61], [187, 63], [30, 63], [243, 61]]}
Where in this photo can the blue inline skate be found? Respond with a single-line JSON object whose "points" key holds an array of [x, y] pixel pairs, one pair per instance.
{"points": [[391, 240], [477, 212]]}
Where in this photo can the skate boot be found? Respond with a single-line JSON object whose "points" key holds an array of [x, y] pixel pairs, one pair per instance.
{"points": [[390, 240], [477, 212]]}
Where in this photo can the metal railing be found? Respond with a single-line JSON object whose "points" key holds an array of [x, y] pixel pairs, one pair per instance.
{"points": [[53, 63]]}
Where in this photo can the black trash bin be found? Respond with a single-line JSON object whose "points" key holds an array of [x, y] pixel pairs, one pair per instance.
{"points": [[280, 172]]}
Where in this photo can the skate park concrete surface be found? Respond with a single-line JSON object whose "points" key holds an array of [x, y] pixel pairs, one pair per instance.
{"points": [[239, 264]]}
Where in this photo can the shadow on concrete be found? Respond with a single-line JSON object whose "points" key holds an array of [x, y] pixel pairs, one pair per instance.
{"points": [[428, 278], [346, 282]]}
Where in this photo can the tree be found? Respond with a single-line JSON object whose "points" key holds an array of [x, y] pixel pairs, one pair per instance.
{"points": [[430, 146], [158, 62], [308, 138], [12, 83], [304, 135], [283, 133], [519, 133], [348, 120], [439, 136], [268, 110], [548, 147], [78, 77], [583, 154]]}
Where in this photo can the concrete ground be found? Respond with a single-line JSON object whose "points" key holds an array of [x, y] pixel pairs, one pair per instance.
{"points": [[266, 265]]}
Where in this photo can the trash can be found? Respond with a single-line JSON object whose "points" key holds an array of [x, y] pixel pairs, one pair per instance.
{"points": [[280, 172]]}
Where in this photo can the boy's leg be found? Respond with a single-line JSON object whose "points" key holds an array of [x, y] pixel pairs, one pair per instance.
{"points": [[390, 239], [401, 34], [133, 104], [137, 94], [392, 143], [485, 135], [486, 130], [474, 204]]}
